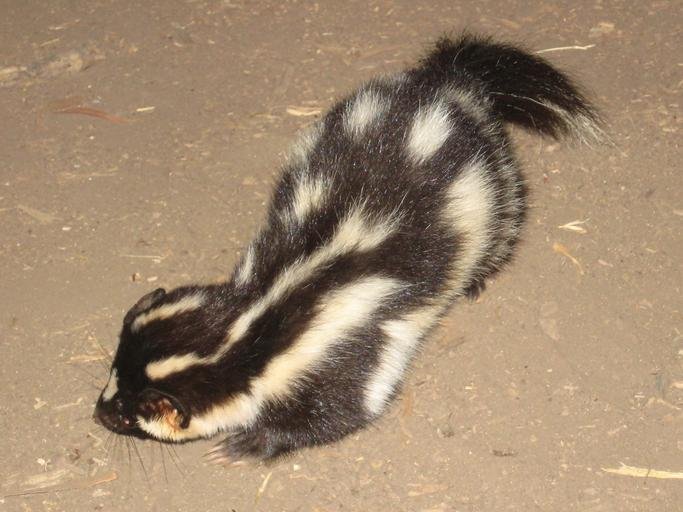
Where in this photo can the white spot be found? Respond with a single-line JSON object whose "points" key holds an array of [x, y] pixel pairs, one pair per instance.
{"points": [[359, 233], [469, 210], [300, 151], [187, 303], [471, 103], [339, 313], [157, 370], [245, 271], [112, 386], [355, 233], [402, 338], [430, 129], [364, 111], [308, 196]]}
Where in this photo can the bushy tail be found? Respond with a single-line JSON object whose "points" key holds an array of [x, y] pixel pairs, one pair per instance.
{"points": [[523, 88]]}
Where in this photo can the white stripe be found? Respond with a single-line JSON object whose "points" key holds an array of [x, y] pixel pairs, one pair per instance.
{"points": [[430, 129], [240, 411], [469, 210], [402, 338], [363, 112], [112, 386], [246, 269], [308, 196], [353, 234], [339, 313], [187, 303], [157, 370]]}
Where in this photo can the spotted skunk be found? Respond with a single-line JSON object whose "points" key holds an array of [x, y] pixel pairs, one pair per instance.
{"points": [[403, 198]]}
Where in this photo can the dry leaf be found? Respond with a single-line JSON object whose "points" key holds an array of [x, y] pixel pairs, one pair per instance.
{"points": [[561, 249], [575, 226]]}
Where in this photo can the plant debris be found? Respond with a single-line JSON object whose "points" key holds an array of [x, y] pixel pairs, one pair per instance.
{"points": [[561, 249], [638, 472], [575, 226], [47, 482], [504, 453], [563, 48], [92, 112], [304, 111]]}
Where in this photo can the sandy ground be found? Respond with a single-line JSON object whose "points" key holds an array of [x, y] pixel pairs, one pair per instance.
{"points": [[569, 366]]}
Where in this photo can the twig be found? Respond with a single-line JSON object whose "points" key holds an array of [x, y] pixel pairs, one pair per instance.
{"points": [[263, 486], [303, 111], [637, 472], [84, 484], [563, 48], [92, 112], [145, 256]]}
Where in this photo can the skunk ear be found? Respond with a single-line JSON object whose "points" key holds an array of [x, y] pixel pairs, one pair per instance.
{"points": [[144, 304], [157, 403]]}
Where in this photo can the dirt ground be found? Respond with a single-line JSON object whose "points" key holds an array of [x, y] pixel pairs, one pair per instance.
{"points": [[540, 396]]}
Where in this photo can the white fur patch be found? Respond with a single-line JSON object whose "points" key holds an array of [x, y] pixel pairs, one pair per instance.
{"points": [[301, 150], [187, 303], [470, 103], [579, 125], [402, 338], [246, 270], [339, 313], [158, 429], [364, 111], [355, 233], [157, 370], [430, 129], [112, 386], [469, 209], [308, 196], [241, 410]]}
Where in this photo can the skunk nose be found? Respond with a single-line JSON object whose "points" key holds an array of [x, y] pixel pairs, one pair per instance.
{"points": [[110, 416]]}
